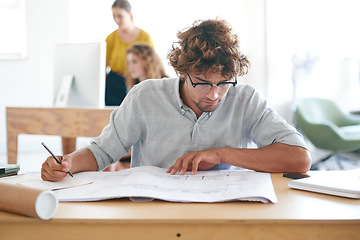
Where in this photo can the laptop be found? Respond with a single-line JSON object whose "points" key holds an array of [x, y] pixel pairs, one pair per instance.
{"points": [[338, 183]]}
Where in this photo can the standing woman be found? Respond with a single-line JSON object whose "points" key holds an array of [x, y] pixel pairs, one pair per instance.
{"points": [[117, 42]]}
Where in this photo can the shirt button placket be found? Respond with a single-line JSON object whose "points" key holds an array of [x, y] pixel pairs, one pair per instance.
{"points": [[194, 136]]}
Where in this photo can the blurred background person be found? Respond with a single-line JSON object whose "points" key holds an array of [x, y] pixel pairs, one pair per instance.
{"points": [[143, 63], [117, 42]]}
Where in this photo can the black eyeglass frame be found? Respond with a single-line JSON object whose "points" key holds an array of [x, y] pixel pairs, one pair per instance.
{"points": [[211, 84]]}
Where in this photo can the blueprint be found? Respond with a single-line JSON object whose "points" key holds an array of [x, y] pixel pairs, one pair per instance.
{"points": [[154, 183]]}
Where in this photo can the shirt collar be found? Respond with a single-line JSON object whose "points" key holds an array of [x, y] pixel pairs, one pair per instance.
{"points": [[182, 107]]}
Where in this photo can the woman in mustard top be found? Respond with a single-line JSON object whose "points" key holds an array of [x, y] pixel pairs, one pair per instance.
{"points": [[117, 42]]}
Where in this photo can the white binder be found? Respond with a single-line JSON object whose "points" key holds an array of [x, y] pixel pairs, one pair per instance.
{"points": [[338, 183]]}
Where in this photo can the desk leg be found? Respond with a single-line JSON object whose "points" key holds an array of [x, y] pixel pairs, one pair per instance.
{"points": [[68, 145], [12, 141]]}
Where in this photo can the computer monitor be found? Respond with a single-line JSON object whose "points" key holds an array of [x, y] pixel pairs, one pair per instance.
{"points": [[79, 75]]}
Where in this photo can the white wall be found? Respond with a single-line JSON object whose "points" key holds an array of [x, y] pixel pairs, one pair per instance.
{"points": [[29, 82], [327, 30]]}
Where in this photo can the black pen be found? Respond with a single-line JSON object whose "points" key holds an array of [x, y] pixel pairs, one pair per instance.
{"points": [[57, 160]]}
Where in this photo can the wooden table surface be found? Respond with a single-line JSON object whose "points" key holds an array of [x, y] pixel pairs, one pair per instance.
{"points": [[297, 215]]}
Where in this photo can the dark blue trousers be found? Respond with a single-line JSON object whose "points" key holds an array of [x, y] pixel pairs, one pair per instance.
{"points": [[115, 89]]}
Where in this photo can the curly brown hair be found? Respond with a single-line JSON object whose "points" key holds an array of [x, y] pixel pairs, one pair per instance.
{"points": [[150, 60], [208, 47]]}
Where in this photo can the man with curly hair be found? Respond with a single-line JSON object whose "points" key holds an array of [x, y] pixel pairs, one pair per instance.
{"points": [[204, 119]]}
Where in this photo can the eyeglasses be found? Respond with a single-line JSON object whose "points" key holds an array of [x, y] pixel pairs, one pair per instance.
{"points": [[221, 87]]}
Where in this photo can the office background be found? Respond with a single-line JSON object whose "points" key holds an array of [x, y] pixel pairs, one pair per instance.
{"points": [[312, 45]]}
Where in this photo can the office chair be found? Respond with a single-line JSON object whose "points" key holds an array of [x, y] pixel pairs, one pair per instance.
{"points": [[327, 127]]}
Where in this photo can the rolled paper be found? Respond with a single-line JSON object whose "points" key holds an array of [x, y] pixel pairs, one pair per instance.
{"points": [[28, 201]]}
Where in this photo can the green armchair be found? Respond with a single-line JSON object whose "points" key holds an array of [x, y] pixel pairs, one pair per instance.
{"points": [[327, 127]]}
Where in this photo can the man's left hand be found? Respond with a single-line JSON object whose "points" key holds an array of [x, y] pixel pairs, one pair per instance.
{"points": [[198, 160]]}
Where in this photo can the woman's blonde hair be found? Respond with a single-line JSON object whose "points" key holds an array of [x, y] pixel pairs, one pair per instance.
{"points": [[150, 60]]}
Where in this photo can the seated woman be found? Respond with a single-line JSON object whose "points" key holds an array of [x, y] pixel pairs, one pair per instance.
{"points": [[142, 63]]}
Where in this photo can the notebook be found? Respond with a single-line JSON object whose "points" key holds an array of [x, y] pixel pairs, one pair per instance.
{"points": [[338, 183], [8, 169]]}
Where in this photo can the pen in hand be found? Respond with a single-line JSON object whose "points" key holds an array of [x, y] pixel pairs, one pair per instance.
{"points": [[53, 155]]}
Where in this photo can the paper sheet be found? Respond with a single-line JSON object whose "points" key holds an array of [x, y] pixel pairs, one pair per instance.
{"points": [[34, 180], [153, 182]]}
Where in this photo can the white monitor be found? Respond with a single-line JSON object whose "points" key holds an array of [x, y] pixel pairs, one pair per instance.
{"points": [[79, 79]]}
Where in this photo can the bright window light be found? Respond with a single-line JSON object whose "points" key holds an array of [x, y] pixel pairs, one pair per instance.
{"points": [[13, 30]]}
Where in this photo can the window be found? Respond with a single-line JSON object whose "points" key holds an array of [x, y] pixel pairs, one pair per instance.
{"points": [[13, 30], [313, 50]]}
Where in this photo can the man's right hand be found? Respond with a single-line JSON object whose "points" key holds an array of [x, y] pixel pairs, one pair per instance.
{"points": [[52, 171]]}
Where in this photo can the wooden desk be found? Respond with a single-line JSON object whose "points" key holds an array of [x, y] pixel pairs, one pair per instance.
{"points": [[68, 123], [297, 215]]}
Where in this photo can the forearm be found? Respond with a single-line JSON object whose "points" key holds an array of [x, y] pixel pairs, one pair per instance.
{"points": [[83, 160], [277, 157]]}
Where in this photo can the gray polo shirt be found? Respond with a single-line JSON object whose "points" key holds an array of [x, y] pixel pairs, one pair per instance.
{"points": [[154, 120]]}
